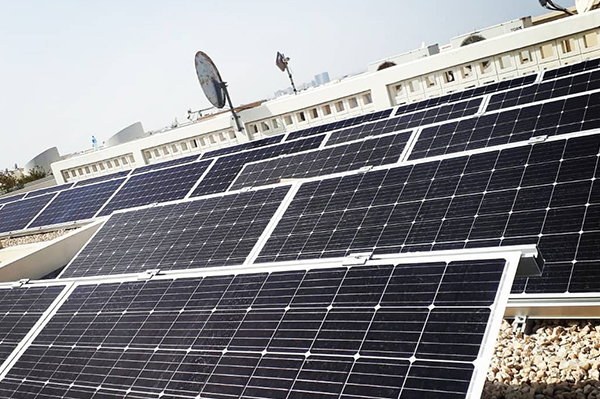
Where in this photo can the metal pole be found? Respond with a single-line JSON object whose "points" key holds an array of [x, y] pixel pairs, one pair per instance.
{"points": [[235, 117], [291, 79]]}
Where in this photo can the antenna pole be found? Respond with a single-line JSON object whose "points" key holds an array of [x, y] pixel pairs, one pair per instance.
{"points": [[291, 79], [235, 117]]}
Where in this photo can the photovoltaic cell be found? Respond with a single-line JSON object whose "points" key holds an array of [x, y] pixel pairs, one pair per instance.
{"points": [[558, 117], [242, 147], [311, 131], [290, 334], [77, 204], [374, 152], [546, 90], [204, 233], [21, 309], [99, 179], [12, 198], [542, 194], [165, 164], [155, 187], [17, 215], [572, 69], [48, 190], [226, 168]]}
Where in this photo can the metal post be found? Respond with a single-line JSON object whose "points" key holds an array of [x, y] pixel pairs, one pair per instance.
{"points": [[291, 79], [235, 117]]}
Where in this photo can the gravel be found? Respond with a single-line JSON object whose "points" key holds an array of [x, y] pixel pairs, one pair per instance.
{"points": [[558, 359], [31, 239]]}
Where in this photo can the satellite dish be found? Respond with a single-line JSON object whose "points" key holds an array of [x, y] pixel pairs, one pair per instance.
{"points": [[584, 6], [282, 63], [210, 79]]}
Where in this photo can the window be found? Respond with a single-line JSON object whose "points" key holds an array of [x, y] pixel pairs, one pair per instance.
{"points": [[367, 99], [202, 142], [414, 86], [131, 159], [101, 165], [525, 57], [301, 116], [568, 45], [466, 71], [165, 151], [590, 39], [339, 106], [156, 153], [547, 51], [254, 128], [326, 109], [174, 148], [222, 136], [212, 139], [109, 164], [184, 146], [148, 155], [398, 88], [275, 123], [124, 161], [264, 126], [288, 120], [66, 175], [353, 102], [430, 81], [116, 161], [231, 134], [194, 143], [449, 77], [314, 113], [486, 66], [87, 170], [505, 61], [94, 168]]}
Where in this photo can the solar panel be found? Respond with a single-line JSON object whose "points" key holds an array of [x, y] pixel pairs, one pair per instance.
{"points": [[99, 179], [12, 198], [208, 232], [158, 186], [557, 117], [165, 164], [466, 94], [373, 152], [542, 194], [366, 331], [21, 309], [77, 204], [572, 69], [226, 168], [17, 215], [48, 190], [311, 131], [546, 90], [242, 147]]}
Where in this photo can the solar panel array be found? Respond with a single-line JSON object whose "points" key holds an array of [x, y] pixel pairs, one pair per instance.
{"points": [[48, 190], [20, 311], [209, 232], [160, 186], [243, 147], [11, 198], [78, 204], [373, 152], [102, 178], [332, 332], [572, 69], [17, 215]]}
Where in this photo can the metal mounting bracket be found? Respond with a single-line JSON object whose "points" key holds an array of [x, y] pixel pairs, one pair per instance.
{"points": [[148, 274], [357, 259]]}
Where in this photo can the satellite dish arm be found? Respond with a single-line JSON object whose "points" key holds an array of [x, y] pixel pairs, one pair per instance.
{"points": [[235, 117], [291, 79]]}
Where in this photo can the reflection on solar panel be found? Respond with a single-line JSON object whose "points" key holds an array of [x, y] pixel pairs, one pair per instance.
{"points": [[373, 152], [368, 331], [77, 204], [546, 90], [21, 309], [225, 169], [158, 186], [541, 194], [548, 119], [311, 131], [242, 147], [102, 178], [12, 198], [211, 232], [571, 69], [48, 190], [17, 215], [162, 165], [465, 94]]}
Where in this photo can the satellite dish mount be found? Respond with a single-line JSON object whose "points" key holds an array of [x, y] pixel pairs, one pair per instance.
{"points": [[282, 63], [550, 5], [213, 86]]}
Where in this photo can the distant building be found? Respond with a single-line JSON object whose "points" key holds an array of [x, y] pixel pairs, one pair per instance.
{"points": [[322, 78]]}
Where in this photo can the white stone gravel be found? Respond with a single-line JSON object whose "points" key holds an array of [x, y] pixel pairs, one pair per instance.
{"points": [[558, 359], [31, 239]]}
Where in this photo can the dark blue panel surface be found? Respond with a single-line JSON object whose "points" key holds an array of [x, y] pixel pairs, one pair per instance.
{"points": [[11, 198], [17, 215], [165, 164], [79, 203], [48, 190], [243, 147], [99, 179], [572, 69]]}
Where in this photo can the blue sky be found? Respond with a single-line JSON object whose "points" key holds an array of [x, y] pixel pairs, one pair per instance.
{"points": [[72, 69]]}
